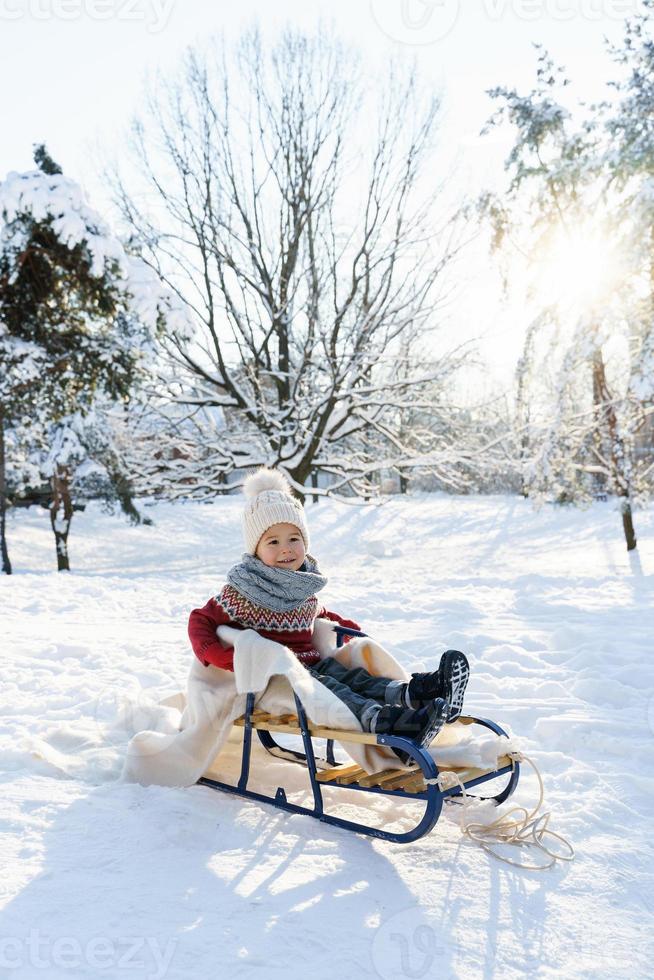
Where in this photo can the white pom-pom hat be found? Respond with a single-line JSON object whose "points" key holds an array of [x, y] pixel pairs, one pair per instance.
{"points": [[270, 501]]}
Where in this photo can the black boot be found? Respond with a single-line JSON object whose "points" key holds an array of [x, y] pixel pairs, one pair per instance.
{"points": [[421, 725], [448, 682]]}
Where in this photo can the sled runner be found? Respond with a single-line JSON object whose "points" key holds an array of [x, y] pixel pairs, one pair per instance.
{"points": [[422, 781]]}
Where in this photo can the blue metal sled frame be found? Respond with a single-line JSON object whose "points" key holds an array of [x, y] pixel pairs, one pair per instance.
{"points": [[432, 795]]}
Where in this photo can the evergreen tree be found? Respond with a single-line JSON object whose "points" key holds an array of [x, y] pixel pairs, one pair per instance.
{"points": [[75, 315]]}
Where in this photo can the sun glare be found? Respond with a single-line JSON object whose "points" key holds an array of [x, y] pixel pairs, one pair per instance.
{"points": [[578, 271]]}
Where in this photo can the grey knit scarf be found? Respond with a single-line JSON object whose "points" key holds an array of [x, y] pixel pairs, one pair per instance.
{"points": [[278, 589]]}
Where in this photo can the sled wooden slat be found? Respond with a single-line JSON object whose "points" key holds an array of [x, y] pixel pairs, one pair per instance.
{"points": [[378, 778], [387, 777], [332, 775], [346, 779], [415, 784], [410, 780], [275, 723], [401, 778]]}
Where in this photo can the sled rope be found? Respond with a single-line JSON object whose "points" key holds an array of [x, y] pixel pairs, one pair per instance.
{"points": [[518, 826]]}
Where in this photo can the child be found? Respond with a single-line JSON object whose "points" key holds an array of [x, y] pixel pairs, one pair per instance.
{"points": [[273, 591]]}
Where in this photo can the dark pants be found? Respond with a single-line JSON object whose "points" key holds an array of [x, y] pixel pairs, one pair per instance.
{"points": [[362, 692]]}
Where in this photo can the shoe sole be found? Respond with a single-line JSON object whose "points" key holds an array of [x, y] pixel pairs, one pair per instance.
{"points": [[439, 717], [455, 671]]}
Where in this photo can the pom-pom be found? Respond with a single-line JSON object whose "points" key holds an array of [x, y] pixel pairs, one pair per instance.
{"points": [[265, 479]]}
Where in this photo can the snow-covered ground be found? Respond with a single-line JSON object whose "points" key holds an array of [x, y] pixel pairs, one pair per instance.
{"points": [[103, 879]]}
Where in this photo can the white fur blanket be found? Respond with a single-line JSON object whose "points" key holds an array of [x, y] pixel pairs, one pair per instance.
{"points": [[215, 698]]}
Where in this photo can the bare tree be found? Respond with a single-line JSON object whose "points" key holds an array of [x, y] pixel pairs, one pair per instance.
{"points": [[297, 218]]}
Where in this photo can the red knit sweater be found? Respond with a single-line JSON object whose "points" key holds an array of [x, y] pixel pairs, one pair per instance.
{"points": [[293, 629]]}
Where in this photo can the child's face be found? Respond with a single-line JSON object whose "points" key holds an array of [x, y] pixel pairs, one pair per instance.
{"points": [[282, 546]]}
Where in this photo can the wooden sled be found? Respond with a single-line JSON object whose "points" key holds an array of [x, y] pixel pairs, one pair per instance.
{"points": [[422, 781]]}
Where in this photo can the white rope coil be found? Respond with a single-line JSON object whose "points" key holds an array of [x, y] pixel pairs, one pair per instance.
{"points": [[518, 826]]}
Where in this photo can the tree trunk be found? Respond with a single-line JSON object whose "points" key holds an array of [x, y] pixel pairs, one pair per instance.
{"points": [[123, 490], [6, 564], [619, 460], [628, 525], [523, 405], [61, 514], [300, 474], [600, 392]]}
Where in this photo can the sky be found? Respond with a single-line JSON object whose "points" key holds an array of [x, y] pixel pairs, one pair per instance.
{"points": [[72, 75]]}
